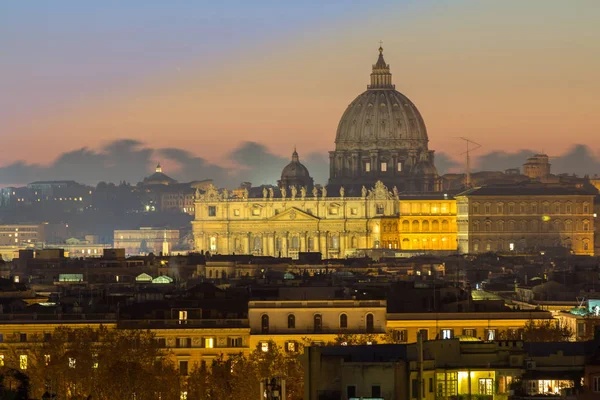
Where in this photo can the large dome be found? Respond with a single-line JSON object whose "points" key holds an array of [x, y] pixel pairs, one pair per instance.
{"points": [[381, 118], [382, 137]]}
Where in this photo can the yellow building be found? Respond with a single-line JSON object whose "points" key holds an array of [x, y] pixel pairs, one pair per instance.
{"points": [[189, 341], [525, 218], [425, 223], [289, 322], [485, 326]]}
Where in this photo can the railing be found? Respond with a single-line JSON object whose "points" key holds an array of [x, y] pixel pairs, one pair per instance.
{"points": [[182, 324]]}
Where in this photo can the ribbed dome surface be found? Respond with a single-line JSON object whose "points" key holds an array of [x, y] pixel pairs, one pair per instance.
{"points": [[381, 118], [295, 169]]}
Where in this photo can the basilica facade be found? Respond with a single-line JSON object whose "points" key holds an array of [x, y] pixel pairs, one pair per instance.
{"points": [[284, 224]]}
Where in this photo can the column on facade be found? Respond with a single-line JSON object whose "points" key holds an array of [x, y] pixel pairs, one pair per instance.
{"points": [[324, 245], [332, 164], [247, 249], [303, 241]]}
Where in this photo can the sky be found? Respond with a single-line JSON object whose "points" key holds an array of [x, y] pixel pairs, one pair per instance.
{"points": [[207, 78]]}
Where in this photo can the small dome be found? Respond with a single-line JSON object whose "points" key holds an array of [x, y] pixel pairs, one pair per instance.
{"points": [[295, 169], [295, 174]]}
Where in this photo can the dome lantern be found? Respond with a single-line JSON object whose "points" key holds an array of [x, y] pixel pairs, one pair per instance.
{"points": [[381, 77]]}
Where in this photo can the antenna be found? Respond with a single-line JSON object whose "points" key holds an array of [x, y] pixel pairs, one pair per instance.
{"points": [[468, 159]]}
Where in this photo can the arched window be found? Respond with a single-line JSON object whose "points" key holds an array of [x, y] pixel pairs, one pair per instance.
{"points": [[586, 245], [405, 226], [501, 226], [488, 226], [256, 244], [476, 226], [295, 243], [311, 243], [354, 242], [586, 208], [318, 323], [343, 321], [264, 323], [291, 321], [425, 226], [435, 226], [415, 226], [278, 244], [568, 225], [405, 244], [586, 225], [210, 273], [370, 323], [445, 226]]}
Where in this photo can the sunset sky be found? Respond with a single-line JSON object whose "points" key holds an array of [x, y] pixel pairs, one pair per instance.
{"points": [[205, 76]]}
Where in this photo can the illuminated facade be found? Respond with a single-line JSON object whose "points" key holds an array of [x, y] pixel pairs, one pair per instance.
{"points": [[288, 322], [527, 218], [292, 222], [425, 223]]}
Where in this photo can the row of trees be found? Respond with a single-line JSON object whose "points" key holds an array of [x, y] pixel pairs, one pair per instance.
{"points": [[108, 364]]}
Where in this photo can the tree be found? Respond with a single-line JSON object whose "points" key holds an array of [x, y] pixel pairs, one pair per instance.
{"points": [[103, 363], [546, 331]]}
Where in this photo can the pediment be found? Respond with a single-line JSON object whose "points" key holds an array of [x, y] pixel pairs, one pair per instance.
{"points": [[293, 214]]}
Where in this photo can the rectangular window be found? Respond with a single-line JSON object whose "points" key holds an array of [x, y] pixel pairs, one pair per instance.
{"points": [[376, 391], [430, 385], [383, 167], [333, 211], [399, 167], [424, 333], [367, 166], [291, 347], [379, 209], [596, 385], [447, 333], [486, 386], [1, 338], [184, 342], [212, 211], [209, 343], [414, 386], [161, 342], [235, 342], [256, 212], [490, 334], [354, 211], [183, 368], [183, 316], [351, 391], [1, 360], [399, 335], [22, 337], [470, 332], [236, 212], [23, 361]]}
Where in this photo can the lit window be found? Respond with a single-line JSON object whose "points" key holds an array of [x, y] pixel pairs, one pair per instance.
{"points": [[367, 167], [490, 334], [1, 360], [291, 347], [47, 359], [447, 334], [209, 343], [383, 167], [399, 167], [256, 212], [236, 212], [511, 246], [183, 316], [264, 346], [183, 396], [72, 362], [23, 361]]}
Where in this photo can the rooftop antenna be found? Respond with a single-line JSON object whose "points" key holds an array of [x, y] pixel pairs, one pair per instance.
{"points": [[474, 146]]}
